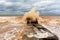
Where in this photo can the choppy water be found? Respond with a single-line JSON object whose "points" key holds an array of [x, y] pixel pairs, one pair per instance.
{"points": [[8, 31]]}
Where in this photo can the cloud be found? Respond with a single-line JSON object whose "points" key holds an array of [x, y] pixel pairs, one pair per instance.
{"points": [[46, 7], [43, 3], [8, 3], [2, 1], [14, 0]]}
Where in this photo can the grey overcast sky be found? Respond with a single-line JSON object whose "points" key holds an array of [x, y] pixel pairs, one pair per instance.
{"points": [[19, 7]]}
